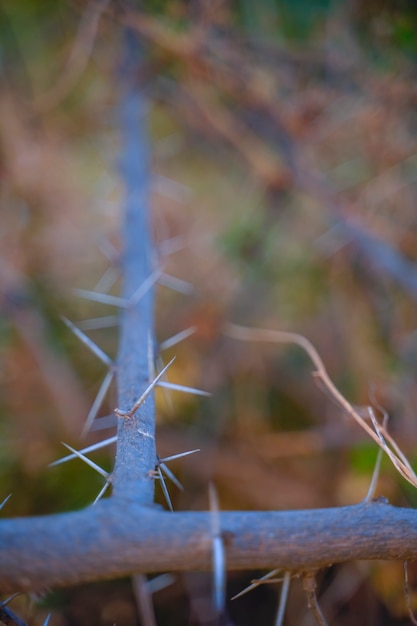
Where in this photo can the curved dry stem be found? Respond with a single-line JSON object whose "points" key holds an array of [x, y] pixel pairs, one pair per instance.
{"points": [[379, 435], [77, 60]]}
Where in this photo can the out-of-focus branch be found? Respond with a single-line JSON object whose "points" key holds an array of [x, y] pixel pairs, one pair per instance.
{"points": [[77, 60], [382, 257], [59, 380]]}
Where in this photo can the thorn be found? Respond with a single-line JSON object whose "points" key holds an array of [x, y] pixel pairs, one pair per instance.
{"points": [[145, 394], [176, 284], [164, 488], [96, 323], [108, 279], [88, 461], [88, 342], [160, 582], [143, 598], [6, 499], [103, 298], [98, 401], [283, 599], [377, 468], [94, 446], [178, 456], [219, 559], [171, 188], [172, 341], [258, 582], [171, 476], [144, 287], [108, 250], [102, 492], [184, 389], [10, 598], [171, 245], [159, 364], [167, 471]]}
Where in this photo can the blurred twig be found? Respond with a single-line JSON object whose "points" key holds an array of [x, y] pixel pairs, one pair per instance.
{"points": [[77, 60]]}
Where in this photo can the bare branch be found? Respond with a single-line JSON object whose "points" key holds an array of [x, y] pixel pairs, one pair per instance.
{"points": [[310, 586], [118, 538]]}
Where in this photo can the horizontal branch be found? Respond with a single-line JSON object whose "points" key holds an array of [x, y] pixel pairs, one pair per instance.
{"points": [[114, 539]]}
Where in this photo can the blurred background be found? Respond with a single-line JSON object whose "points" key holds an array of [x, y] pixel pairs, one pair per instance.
{"points": [[283, 181]]}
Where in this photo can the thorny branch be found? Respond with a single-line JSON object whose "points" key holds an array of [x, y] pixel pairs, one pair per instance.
{"points": [[113, 539], [126, 534], [136, 450]]}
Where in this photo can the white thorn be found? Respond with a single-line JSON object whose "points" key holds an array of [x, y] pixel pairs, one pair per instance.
{"points": [[176, 284], [102, 491], [160, 582], [164, 488], [88, 342], [183, 389], [172, 341], [96, 323], [283, 599], [108, 250], [98, 401], [145, 394], [88, 461], [171, 476], [178, 456], [104, 298], [108, 279], [6, 499], [145, 287], [94, 446]]}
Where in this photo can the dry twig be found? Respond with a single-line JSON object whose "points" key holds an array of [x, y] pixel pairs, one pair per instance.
{"points": [[379, 435]]}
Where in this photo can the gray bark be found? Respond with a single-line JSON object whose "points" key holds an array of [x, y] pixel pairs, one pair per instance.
{"points": [[113, 539]]}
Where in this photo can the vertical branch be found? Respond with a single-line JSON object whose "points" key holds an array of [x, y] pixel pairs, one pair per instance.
{"points": [[310, 587], [136, 454]]}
